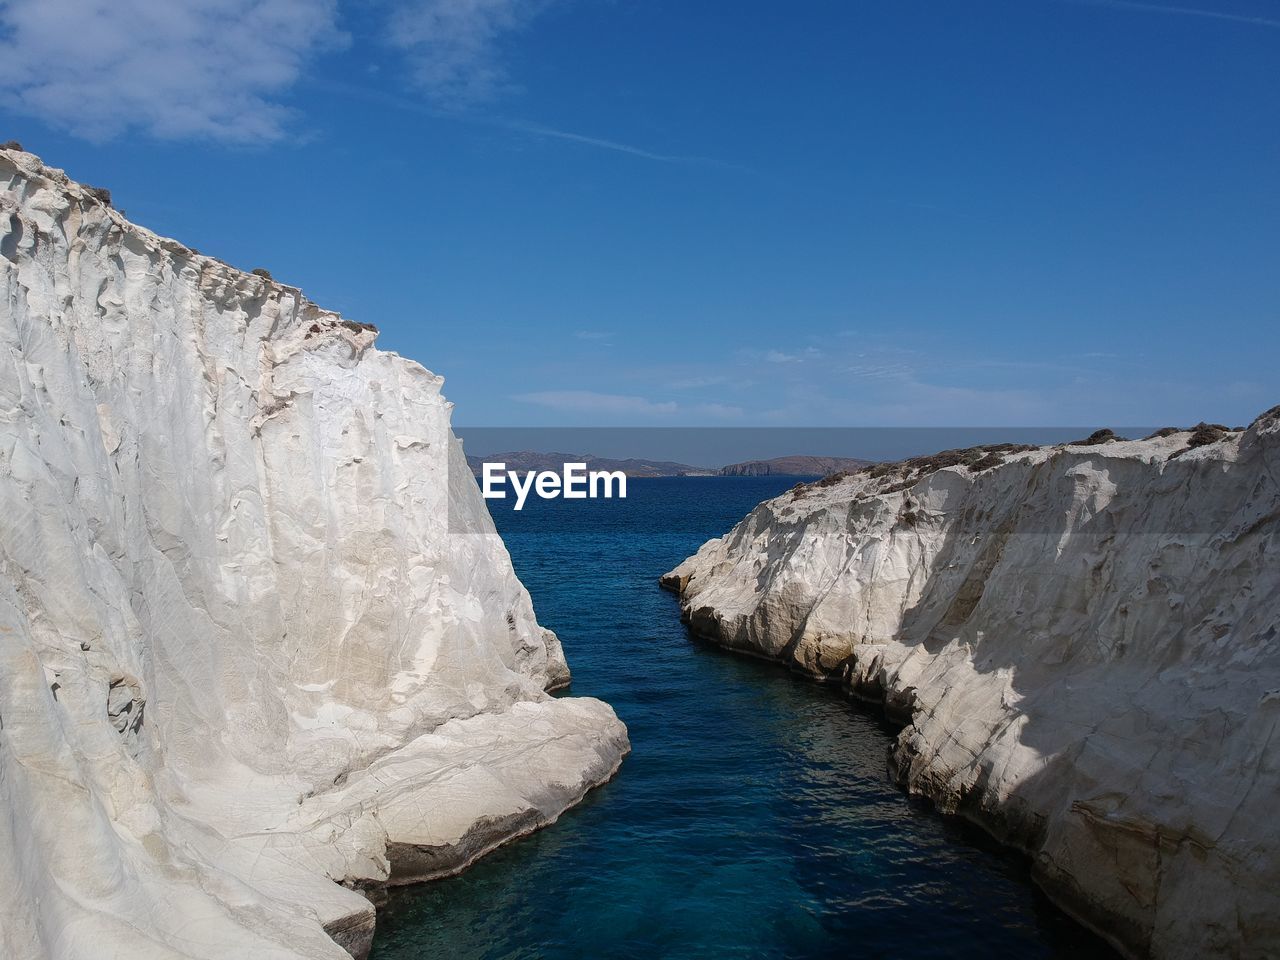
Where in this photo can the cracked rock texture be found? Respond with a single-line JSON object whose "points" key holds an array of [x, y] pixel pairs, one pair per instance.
{"points": [[1082, 641], [255, 635]]}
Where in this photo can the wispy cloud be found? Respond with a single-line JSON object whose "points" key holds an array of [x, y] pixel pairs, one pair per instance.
{"points": [[588, 401], [908, 402], [539, 130], [875, 370], [522, 127], [454, 46], [800, 356], [218, 69], [1139, 7], [612, 405], [698, 383], [198, 69], [594, 334]]}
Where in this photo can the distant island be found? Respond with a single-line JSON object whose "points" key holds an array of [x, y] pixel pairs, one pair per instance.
{"points": [[522, 460], [796, 466]]}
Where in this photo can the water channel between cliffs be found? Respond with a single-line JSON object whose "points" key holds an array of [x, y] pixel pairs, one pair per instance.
{"points": [[754, 817]]}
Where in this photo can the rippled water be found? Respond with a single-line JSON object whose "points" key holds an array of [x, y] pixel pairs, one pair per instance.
{"points": [[754, 817]]}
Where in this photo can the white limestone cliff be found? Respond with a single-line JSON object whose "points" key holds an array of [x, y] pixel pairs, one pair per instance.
{"points": [[260, 647], [1082, 641]]}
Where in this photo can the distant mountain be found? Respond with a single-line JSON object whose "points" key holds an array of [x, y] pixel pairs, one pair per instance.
{"points": [[793, 467], [525, 460]]}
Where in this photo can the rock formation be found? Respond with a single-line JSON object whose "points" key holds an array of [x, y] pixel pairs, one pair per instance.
{"points": [[793, 467], [255, 635], [1082, 642]]}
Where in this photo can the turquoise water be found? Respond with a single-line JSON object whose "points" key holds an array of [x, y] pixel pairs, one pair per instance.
{"points": [[754, 817]]}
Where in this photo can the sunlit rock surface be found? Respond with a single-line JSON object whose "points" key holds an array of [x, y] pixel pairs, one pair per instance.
{"points": [[1083, 642], [255, 636]]}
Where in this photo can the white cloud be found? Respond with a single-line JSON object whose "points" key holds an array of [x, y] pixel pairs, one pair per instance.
{"points": [[619, 405], [176, 69], [594, 334], [778, 356], [588, 401], [877, 370], [219, 69], [453, 45], [698, 383]]}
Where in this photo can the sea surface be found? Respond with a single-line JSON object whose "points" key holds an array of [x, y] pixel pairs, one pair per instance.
{"points": [[754, 816]]}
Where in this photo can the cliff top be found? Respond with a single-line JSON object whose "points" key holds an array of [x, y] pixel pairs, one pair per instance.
{"points": [[17, 162], [1166, 444]]}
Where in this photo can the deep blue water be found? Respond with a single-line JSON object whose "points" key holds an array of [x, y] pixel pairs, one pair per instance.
{"points": [[754, 816]]}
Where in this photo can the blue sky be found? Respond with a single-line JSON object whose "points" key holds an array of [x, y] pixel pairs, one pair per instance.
{"points": [[606, 212]]}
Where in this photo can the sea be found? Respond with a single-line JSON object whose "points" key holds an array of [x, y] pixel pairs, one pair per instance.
{"points": [[754, 817]]}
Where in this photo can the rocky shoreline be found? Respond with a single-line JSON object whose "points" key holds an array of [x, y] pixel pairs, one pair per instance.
{"points": [[1080, 642]]}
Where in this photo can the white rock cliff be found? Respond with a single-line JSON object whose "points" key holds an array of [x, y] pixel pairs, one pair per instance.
{"points": [[1082, 641], [256, 636]]}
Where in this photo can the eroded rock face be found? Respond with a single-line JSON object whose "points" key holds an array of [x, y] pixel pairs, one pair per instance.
{"points": [[255, 636], [1083, 643]]}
